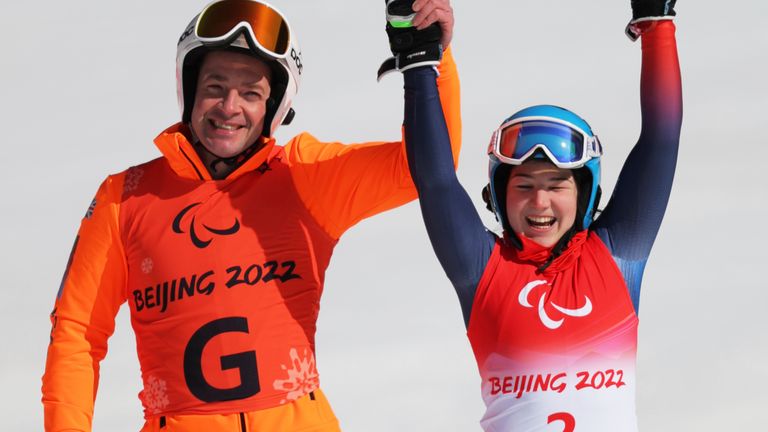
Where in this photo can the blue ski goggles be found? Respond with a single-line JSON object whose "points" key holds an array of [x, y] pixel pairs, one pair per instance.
{"points": [[564, 144]]}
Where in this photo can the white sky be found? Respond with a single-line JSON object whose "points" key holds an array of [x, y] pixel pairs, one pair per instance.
{"points": [[85, 87]]}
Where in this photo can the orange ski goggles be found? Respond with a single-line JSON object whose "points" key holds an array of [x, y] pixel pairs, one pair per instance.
{"points": [[265, 26]]}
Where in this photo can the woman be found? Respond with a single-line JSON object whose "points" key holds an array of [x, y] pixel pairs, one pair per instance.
{"points": [[551, 306]]}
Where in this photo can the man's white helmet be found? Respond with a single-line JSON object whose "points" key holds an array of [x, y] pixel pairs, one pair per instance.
{"points": [[252, 27]]}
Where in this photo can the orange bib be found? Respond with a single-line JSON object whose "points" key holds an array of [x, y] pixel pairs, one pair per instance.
{"points": [[224, 291]]}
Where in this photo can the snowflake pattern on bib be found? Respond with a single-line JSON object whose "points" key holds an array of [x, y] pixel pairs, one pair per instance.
{"points": [[302, 378], [155, 395]]}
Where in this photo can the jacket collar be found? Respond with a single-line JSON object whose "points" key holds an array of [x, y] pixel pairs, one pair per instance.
{"points": [[537, 254], [175, 146]]}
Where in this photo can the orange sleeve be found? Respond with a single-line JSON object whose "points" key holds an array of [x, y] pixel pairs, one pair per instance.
{"points": [[83, 318], [343, 184], [448, 85]]}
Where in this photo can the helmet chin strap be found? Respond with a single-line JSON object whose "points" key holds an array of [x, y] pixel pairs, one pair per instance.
{"points": [[219, 167], [558, 249]]}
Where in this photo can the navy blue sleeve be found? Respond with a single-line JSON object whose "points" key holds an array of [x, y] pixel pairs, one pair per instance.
{"points": [[632, 217], [461, 242]]}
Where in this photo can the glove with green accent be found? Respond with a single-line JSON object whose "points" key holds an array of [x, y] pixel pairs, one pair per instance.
{"points": [[411, 47], [648, 10]]}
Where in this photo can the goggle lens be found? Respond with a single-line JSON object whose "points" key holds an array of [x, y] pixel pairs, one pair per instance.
{"points": [[563, 143], [268, 27]]}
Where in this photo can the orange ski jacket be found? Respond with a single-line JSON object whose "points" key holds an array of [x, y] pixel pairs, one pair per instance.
{"points": [[223, 278]]}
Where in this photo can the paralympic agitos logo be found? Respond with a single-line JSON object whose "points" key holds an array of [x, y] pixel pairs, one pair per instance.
{"points": [[198, 240], [549, 322]]}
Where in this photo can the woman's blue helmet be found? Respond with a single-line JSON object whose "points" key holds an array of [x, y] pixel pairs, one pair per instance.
{"points": [[552, 133]]}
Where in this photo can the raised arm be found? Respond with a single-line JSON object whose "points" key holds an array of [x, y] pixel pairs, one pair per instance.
{"points": [[632, 217], [343, 184], [461, 242]]}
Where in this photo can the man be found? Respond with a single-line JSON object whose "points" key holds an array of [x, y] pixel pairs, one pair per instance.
{"points": [[220, 246]]}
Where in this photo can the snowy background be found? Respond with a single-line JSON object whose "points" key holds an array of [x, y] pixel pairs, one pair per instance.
{"points": [[85, 87]]}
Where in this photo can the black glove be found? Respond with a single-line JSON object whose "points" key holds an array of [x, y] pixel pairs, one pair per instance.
{"points": [[411, 47], [649, 10]]}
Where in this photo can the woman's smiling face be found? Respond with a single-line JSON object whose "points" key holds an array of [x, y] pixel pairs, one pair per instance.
{"points": [[541, 201]]}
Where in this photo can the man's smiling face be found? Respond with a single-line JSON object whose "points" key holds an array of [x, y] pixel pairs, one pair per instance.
{"points": [[230, 102]]}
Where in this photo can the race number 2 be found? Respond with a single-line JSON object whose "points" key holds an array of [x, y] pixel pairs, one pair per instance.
{"points": [[569, 423]]}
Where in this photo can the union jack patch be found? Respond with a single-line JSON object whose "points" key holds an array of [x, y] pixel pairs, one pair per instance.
{"points": [[91, 208]]}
